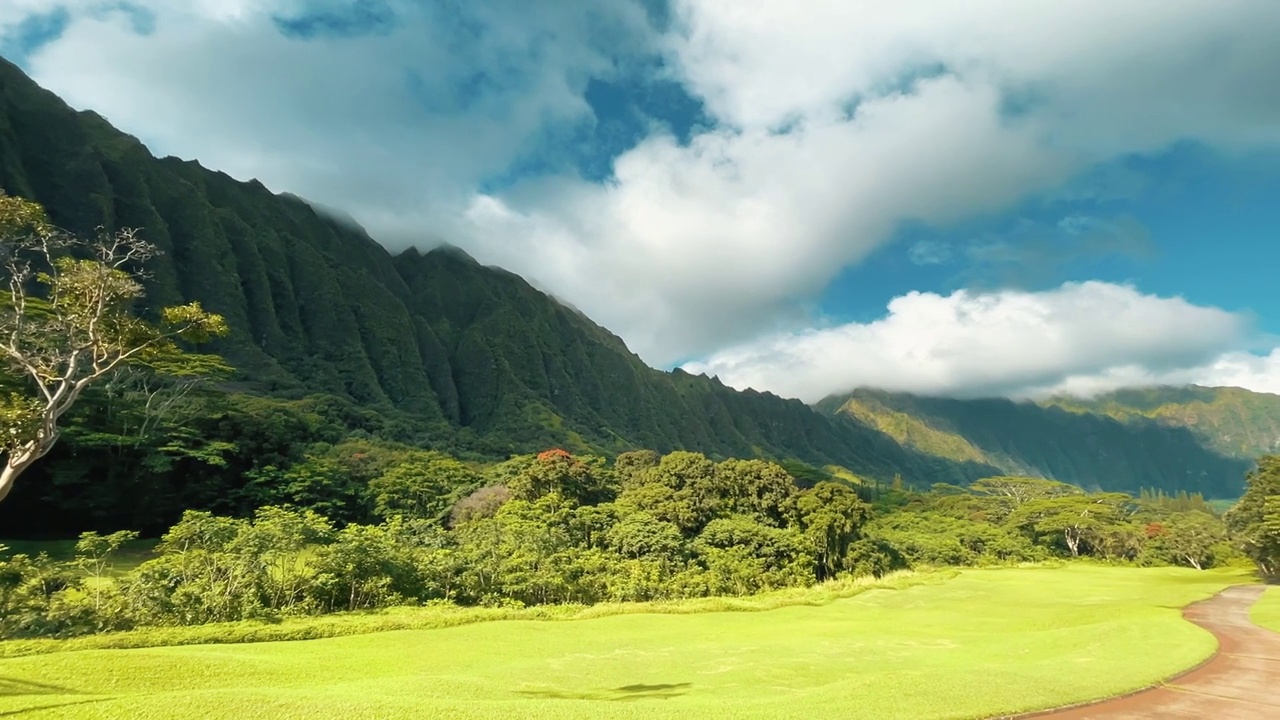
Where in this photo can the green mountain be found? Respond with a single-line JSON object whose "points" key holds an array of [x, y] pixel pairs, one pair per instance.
{"points": [[1234, 421], [473, 357], [1095, 451]]}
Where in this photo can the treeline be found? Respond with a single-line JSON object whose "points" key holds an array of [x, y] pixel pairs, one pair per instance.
{"points": [[364, 525], [1004, 519], [551, 528]]}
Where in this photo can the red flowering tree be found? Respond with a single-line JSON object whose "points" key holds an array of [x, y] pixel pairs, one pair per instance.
{"points": [[558, 471]]}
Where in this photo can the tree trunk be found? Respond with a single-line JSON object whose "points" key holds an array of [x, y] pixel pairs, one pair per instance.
{"points": [[16, 464], [1073, 542], [6, 480]]}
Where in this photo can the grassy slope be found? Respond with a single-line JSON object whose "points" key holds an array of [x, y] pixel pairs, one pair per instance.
{"points": [[1266, 612], [912, 431], [985, 642]]}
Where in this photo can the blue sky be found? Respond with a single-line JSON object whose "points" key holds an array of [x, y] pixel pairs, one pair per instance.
{"points": [[981, 198], [1193, 224]]}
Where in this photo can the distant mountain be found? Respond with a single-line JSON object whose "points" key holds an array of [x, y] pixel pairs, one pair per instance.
{"points": [[1091, 450], [1233, 421]]}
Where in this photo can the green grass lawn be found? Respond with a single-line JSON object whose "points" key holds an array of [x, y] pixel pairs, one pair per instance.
{"points": [[1266, 612], [982, 643]]}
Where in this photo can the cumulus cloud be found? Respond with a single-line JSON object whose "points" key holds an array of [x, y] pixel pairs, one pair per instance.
{"points": [[1081, 338], [832, 122], [1259, 372], [690, 246], [393, 110], [838, 121]]}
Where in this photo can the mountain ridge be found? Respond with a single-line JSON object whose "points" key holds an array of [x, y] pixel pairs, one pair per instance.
{"points": [[1235, 421], [476, 358]]}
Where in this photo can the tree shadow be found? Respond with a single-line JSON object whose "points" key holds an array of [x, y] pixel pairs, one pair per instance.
{"points": [[13, 687], [625, 693], [42, 708]]}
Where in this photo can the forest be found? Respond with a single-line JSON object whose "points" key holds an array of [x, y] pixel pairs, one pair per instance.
{"points": [[363, 524]]}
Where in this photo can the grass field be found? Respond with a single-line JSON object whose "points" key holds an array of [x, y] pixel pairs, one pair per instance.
{"points": [[985, 642], [1266, 612]]}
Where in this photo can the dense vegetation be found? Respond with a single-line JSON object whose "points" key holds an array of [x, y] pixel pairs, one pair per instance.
{"points": [[1254, 522], [361, 525], [68, 323]]}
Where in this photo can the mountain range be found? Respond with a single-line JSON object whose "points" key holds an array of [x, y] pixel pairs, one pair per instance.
{"points": [[474, 357]]}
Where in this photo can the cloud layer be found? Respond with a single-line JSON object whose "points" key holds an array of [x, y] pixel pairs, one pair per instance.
{"points": [[394, 110], [838, 121], [830, 123], [1081, 338]]}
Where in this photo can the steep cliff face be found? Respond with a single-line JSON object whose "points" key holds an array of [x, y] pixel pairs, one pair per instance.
{"points": [[316, 306]]}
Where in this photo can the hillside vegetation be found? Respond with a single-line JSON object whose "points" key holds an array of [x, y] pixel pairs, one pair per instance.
{"points": [[555, 529], [1102, 451], [1234, 421]]}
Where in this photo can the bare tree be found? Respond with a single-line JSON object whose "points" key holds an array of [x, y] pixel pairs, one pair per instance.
{"points": [[69, 322]]}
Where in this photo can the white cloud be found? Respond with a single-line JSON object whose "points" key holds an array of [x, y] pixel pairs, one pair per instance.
{"points": [[691, 246], [396, 128], [1105, 76], [1260, 373], [694, 248], [822, 145], [1252, 371], [1081, 338]]}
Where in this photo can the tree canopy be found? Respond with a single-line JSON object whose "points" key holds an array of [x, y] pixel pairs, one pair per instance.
{"points": [[1255, 520], [69, 321]]}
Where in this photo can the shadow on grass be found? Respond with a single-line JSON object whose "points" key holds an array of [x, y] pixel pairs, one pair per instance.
{"points": [[41, 708], [626, 693], [13, 687]]}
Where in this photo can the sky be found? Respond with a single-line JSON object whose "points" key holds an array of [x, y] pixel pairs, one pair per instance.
{"points": [[988, 198]]}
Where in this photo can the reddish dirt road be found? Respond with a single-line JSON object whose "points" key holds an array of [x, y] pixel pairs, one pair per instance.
{"points": [[1240, 682]]}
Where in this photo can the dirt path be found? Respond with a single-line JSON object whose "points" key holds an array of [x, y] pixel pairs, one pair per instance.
{"points": [[1240, 682]]}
